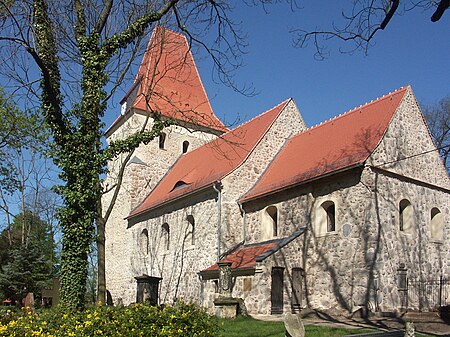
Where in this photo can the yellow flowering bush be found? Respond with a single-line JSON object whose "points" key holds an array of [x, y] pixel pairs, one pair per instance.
{"points": [[179, 320]]}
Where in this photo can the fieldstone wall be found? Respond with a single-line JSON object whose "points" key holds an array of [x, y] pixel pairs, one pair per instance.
{"points": [[146, 167], [355, 266], [423, 257], [178, 266], [288, 123], [407, 147], [179, 263]]}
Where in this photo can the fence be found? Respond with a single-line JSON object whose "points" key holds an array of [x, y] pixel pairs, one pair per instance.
{"points": [[427, 295]]}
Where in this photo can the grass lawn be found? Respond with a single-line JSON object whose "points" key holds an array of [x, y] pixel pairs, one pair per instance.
{"points": [[249, 327]]}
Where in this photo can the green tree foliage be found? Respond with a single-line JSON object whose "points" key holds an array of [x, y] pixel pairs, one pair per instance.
{"points": [[27, 264]]}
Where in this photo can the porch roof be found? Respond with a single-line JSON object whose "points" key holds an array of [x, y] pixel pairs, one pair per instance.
{"points": [[246, 256]]}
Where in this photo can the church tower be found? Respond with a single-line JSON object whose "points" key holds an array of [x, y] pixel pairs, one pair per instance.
{"points": [[167, 85]]}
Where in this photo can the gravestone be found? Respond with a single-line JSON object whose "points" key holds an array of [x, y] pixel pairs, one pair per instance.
{"points": [[147, 289], [226, 306], [225, 283], [29, 302], [293, 325]]}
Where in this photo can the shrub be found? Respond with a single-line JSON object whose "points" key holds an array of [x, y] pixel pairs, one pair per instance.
{"points": [[132, 321]]}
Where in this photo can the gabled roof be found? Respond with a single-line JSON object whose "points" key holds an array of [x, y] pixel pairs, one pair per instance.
{"points": [[246, 256], [169, 77], [340, 143], [211, 162]]}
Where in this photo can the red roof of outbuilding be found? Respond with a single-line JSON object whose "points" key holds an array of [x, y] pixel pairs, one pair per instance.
{"points": [[245, 257], [337, 144], [169, 77], [210, 162]]}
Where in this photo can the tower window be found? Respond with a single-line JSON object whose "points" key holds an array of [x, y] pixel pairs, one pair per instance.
{"points": [[185, 146], [162, 140]]}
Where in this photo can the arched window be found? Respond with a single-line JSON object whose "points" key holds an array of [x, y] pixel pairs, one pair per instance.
{"points": [[406, 217], [143, 241], [437, 224], [185, 146], [190, 232], [325, 218], [165, 236], [269, 223], [330, 211], [162, 140]]}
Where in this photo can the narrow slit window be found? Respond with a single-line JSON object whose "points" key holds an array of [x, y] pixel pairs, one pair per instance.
{"points": [[162, 140], [185, 146]]}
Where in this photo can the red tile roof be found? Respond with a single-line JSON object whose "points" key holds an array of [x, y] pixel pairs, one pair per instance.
{"points": [[245, 257], [339, 143], [169, 77], [211, 162]]}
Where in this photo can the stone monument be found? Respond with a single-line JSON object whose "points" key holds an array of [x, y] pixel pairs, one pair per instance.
{"points": [[226, 305], [293, 325]]}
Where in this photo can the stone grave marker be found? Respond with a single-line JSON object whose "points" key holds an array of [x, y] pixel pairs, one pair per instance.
{"points": [[293, 325]]}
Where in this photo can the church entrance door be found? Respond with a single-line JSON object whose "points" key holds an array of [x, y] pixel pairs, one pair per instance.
{"points": [[276, 295]]}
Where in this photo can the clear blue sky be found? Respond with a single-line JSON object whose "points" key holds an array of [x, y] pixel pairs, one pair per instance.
{"points": [[412, 50]]}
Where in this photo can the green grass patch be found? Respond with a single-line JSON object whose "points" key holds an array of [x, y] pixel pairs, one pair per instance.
{"points": [[250, 327]]}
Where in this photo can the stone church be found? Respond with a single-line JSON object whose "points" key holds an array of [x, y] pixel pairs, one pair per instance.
{"points": [[338, 216]]}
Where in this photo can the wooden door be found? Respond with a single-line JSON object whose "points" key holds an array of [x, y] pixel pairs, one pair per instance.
{"points": [[276, 294], [297, 289]]}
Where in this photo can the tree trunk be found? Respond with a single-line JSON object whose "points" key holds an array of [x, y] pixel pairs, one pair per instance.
{"points": [[101, 276]]}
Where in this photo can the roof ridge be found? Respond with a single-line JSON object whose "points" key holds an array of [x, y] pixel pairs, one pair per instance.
{"points": [[355, 109], [259, 115], [222, 136]]}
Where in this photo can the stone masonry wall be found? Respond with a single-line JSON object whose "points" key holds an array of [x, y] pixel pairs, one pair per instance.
{"points": [[407, 146], [330, 261], [179, 264], [148, 164], [288, 123], [367, 248]]}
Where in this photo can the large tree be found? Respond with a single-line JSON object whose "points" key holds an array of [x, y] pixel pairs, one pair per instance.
{"points": [[361, 21], [83, 50]]}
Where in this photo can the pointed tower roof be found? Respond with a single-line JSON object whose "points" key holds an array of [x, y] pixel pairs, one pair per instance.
{"points": [[335, 145], [168, 82]]}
